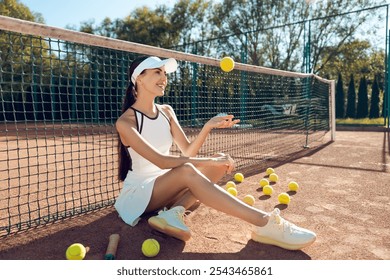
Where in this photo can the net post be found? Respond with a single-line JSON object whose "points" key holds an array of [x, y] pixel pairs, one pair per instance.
{"points": [[332, 107]]}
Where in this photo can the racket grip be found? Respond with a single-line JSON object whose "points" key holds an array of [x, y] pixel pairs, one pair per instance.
{"points": [[112, 247]]}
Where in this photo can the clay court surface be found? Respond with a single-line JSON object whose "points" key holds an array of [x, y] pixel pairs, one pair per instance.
{"points": [[344, 197]]}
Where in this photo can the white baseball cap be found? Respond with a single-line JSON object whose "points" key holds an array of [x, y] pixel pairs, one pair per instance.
{"points": [[153, 62]]}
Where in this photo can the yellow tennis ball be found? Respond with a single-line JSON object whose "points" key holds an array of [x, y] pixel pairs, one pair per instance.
{"points": [[239, 177], [230, 184], [150, 247], [233, 191], [227, 64], [76, 251], [284, 198], [268, 190], [273, 177], [293, 186], [269, 171], [263, 182], [249, 199]]}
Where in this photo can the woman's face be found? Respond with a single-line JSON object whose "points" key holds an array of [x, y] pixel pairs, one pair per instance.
{"points": [[153, 81]]}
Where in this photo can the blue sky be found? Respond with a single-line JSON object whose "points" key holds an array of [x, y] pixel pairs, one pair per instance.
{"points": [[61, 13]]}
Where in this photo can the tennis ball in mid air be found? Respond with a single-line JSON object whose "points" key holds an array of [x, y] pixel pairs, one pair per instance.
{"points": [[263, 182], [227, 64], [273, 177], [76, 251], [293, 186], [239, 177], [230, 184], [269, 171], [249, 199], [284, 198], [233, 191], [268, 190], [150, 247]]}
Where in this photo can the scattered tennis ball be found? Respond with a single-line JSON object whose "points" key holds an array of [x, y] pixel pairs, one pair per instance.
{"points": [[273, 177], [269, 171], [150, 247], [76, 251], [263, 182], [284, 198], [230, 184], [233, 191], [249, 199], [227, 64], [268, 190], [239, 177], [293, 186]]}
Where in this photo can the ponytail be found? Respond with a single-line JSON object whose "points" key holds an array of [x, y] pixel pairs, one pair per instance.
{"points": [[125, 162], [124, 158]]}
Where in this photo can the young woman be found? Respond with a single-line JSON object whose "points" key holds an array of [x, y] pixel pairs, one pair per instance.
{"points": [[154, 179]]}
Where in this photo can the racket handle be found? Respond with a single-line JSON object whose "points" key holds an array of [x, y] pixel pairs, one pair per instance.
{"points": [[112, 247]]}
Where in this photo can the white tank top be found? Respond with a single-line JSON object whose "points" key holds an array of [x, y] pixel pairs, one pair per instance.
{"points": [[157, 132]]}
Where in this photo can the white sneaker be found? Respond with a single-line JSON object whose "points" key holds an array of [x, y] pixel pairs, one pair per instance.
{"points": [[282, 233], [171, 222]]}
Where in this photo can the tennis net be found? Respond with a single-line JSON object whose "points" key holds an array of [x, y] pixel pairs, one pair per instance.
{"points": [[61, 92]]}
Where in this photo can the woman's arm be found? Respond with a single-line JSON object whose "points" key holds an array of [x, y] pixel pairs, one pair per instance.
{"points": [[127, 129], [187, 147]]}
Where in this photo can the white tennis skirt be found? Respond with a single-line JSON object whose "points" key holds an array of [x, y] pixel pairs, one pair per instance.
{"points": [[135, 195]]}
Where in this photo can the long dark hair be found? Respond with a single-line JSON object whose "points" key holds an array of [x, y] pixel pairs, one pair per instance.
{"points": [[125, 162]]}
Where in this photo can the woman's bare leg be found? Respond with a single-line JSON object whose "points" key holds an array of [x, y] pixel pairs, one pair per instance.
{"points": [[214, 174], [202, 188], [271, 228]]}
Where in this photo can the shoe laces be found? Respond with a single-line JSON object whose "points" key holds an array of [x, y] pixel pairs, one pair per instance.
{"points": [[179, 212], [284, 224]]}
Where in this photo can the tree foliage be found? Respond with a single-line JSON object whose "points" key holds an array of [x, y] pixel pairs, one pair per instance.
{"points": [[351, 99], [362, 105], [261, 32], [340, 98], [374, 106], [268, 33], [15, 9]]}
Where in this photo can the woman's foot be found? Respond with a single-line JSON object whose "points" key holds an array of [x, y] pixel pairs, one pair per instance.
{"points": [[171, 222], [282, 233]]}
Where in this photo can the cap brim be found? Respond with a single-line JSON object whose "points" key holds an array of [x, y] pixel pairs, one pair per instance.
{"points": [[170, 65]]}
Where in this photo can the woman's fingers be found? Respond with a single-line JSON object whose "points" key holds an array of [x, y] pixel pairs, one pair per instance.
{"points": [[227, 122], [229, 164]]}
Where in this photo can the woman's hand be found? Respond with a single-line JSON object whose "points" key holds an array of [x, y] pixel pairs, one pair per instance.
{"points": [[222, 122], [226, 160]]}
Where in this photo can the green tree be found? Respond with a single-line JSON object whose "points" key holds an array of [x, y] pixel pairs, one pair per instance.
{"points": [[248, 26], [15, 9], [22, 59], [374, 107], [266, 28], [357, 57], [186, 21], [146, 26], [191, 19], [351, 99], [362, 105], [340, 98]]}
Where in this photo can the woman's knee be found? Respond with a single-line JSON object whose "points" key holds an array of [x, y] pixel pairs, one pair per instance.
{"points": [[188, 172], [214, 173]]}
